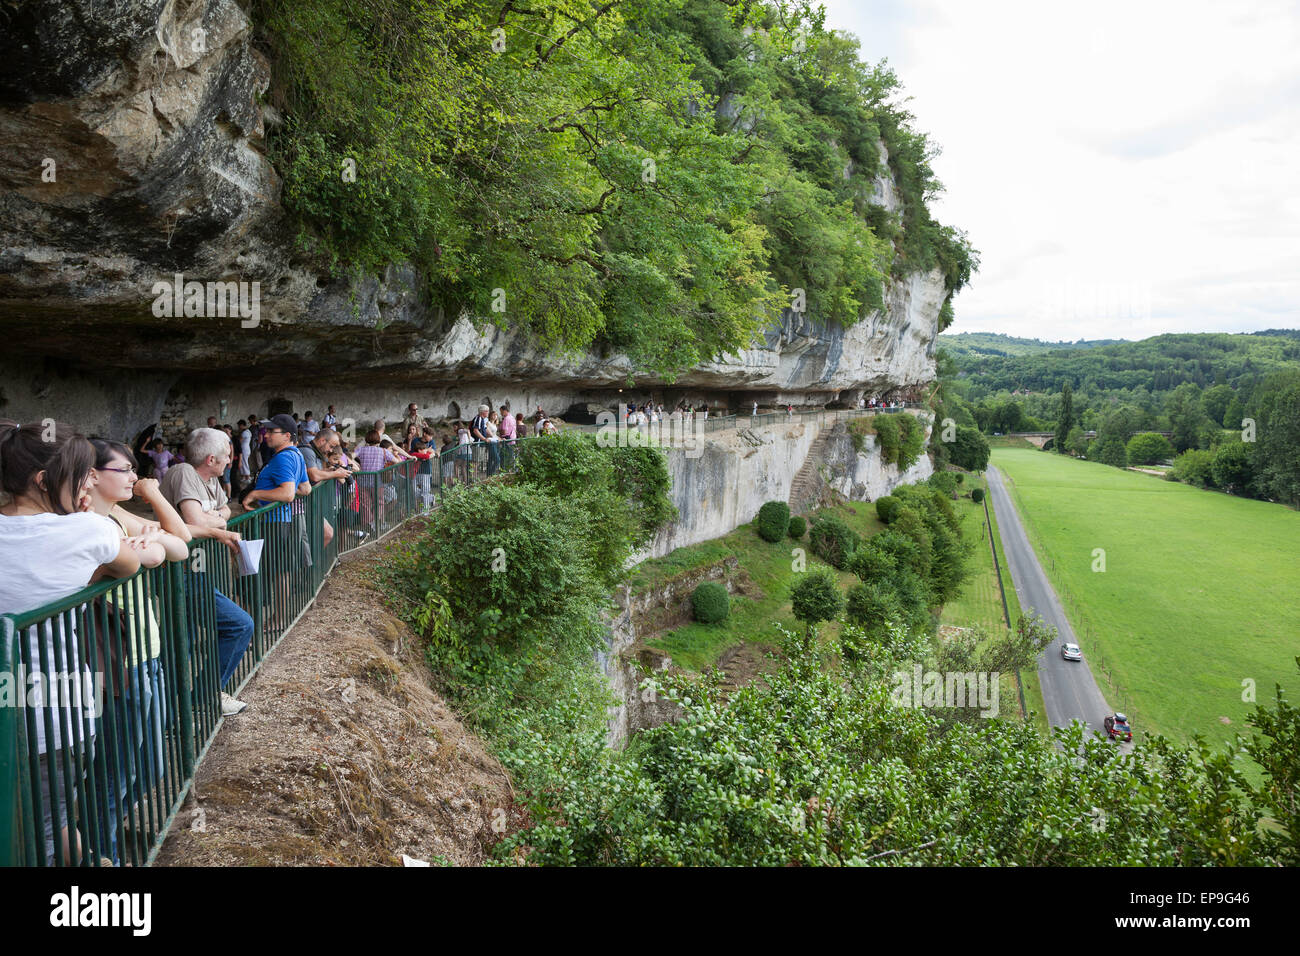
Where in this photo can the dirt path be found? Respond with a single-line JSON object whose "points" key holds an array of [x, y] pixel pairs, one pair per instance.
{"points": [[344, 756]]}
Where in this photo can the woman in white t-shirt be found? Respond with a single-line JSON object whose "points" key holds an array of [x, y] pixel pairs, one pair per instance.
{"points": [[51, 548]]}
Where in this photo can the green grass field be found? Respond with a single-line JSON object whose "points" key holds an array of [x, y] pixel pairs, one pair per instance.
{"points": [[1199, 592]]}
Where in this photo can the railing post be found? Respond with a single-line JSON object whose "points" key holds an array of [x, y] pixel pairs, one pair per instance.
{"points": [[12, 775], [181, 650]]}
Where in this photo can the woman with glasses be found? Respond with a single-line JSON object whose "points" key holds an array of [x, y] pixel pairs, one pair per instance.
{"points": [[138, 706]]}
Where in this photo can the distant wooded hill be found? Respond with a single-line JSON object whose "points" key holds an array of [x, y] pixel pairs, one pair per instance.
{"points": [[1158, 364], [995, 344]]}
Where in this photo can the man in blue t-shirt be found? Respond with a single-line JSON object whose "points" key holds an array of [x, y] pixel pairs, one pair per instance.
{"points": [[283, 478]]}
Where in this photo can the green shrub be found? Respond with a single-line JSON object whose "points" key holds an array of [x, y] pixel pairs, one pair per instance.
{"points": [[1194, 467], [479, 583], [1232, 468], [1109, 451], [773, 521], [960, 477], [944, 481], [641, 478], [901, 438], [911, 441], [977, 495], [887, 508], [710, 602], [565, 464], [798, 527], [859, 428], [970, 450], [1149, 448], [832, 540], [872, 563], [816, 597], [887, 435], [872, 607], [911, 524]]}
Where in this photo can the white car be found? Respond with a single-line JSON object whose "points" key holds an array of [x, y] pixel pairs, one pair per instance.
{"points": [[1071, 652]]}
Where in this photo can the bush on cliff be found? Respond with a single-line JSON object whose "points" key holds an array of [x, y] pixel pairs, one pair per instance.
{"points": [[798, 527], [887, 508], [710, 602], [816, 597], [832, 540], [773, 521]]}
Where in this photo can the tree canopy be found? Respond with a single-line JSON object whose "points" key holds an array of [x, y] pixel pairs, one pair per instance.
{"points": [[659, 176]]}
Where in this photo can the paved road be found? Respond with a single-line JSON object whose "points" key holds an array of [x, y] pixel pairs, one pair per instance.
{"points": [[1069, 690]]}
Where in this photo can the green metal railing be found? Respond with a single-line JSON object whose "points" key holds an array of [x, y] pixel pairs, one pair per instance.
{"points": [[131, 672]]}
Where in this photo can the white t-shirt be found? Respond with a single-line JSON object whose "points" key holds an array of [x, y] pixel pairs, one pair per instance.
{"points": [[46, 558]]}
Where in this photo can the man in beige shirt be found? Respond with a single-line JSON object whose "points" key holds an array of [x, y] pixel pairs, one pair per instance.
{"points": [[194, 489]]}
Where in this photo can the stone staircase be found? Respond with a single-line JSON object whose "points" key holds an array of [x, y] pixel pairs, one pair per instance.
{"points": [[805, 479]]}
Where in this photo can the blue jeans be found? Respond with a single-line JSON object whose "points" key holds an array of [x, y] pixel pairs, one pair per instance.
{"points": [[234, 634], [234, 626]]}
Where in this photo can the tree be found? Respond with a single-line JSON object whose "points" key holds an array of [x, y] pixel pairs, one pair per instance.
{"points": [[1109, 451], [816, 597], [1194, 467], [1232, 467], [970, 450], [1186, 416], [873, 607], [1277, 452], [1120, 424], [1077, 443], [1235, 411], [1065, 421], [1216, 401], [1149, 448]]}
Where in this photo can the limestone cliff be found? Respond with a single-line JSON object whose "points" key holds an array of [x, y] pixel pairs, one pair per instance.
{"points": [[135, 152]]}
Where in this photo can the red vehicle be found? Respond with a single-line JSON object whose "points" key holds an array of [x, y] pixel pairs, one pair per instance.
{"points": [[1117, 727]]}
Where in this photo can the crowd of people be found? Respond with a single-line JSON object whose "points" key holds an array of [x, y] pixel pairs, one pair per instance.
{"points": [[65, 524]]}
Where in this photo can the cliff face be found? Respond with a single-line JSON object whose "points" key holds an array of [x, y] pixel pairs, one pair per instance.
{"points": [[136, 152]]}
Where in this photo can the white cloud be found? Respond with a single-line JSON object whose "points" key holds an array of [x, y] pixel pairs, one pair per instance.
{"points": [[1124, 169]]}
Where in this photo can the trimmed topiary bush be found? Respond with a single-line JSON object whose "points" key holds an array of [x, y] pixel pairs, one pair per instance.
{"points": [[798, 526], [887, 508], [773, 520], [832, 540], [711, 602], [977, 495], [816, 597]]}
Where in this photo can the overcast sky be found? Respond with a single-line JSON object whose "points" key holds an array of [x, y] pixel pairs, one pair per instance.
{"points": [[1124, 169]]}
